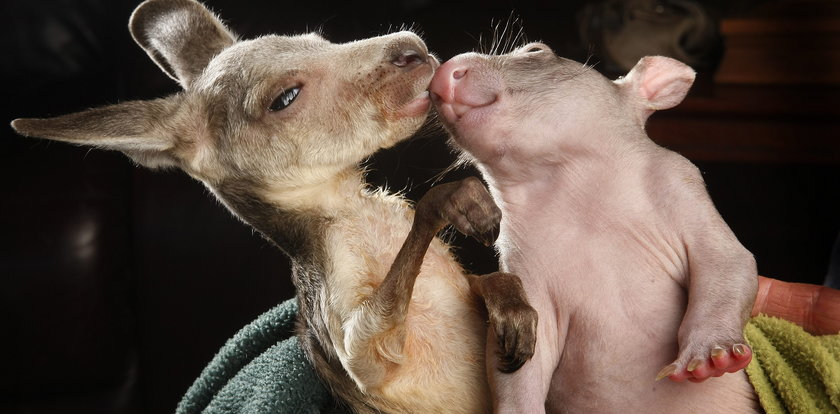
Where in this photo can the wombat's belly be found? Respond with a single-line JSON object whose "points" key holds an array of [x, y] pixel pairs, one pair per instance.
{"points": [[730, 393], [619, 337]]}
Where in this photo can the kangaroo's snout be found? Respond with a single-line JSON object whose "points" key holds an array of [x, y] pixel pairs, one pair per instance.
{"points": [[409, 58], [407, 51]]}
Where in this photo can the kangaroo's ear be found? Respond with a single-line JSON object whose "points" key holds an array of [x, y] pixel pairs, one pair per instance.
{"points": [[141, 129], [659, 82], [181, 36]]}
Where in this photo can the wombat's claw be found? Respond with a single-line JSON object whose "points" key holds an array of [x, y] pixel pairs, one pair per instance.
{"points": [[719, 362], [666, 372]]}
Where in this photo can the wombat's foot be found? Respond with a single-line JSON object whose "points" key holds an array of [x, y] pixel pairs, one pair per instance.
{"points": [[717, 362], [466, 205], [513, 320]]}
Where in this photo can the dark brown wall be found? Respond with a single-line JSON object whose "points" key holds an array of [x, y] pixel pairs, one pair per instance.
{"points": [[119, 284]]}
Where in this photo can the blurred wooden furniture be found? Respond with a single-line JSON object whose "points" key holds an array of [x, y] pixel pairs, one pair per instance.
{"points": [[775, 96]]}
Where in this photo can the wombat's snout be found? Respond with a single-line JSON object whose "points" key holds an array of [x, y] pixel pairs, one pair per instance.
{"points": [[462, 84]]}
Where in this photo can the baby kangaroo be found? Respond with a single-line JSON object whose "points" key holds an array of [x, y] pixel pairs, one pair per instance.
{"points": [[275, 127]]}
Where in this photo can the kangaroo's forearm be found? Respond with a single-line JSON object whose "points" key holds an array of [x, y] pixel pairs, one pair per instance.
{"points": [[376, 330]]}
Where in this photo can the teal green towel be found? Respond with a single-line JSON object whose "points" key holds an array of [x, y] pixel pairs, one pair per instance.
{"points": [[261, 369], [793, 371]]}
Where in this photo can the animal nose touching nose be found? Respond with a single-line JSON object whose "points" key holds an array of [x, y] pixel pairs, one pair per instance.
{"points": [[446, 79], [458, 88]]}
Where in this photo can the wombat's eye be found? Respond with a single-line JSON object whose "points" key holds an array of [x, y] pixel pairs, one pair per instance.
{"points": [[284, 99], [537, 47]]}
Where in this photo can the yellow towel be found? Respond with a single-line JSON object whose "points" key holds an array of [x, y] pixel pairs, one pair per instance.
{"points": [[793, 371]]}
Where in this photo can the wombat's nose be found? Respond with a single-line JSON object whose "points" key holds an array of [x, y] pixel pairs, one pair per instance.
{"points": [[446, 79], [409, 58]]}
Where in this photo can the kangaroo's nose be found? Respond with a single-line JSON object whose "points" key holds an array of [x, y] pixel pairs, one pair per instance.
{"points": [[409, 58]]}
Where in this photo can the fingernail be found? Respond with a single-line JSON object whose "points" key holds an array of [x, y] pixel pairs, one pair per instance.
{"points": [[739, 349], [693, 365], [667, 371], [718, 352]]}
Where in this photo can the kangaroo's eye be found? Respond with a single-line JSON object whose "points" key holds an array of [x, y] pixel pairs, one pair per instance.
{"points": [[284, 99]]}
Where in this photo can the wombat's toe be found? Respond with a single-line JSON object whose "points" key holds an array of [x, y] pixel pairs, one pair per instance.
{"points": [[719, 361]]}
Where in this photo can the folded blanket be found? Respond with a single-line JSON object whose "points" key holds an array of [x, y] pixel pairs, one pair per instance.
{"points": [[263, 370], [793, 371]]}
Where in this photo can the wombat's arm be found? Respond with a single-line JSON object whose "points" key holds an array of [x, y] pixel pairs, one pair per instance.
{"points": [[721, 286], [815, 308]]}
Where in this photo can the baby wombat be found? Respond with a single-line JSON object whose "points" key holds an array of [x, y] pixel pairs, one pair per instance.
{"points": [[618, 245]]}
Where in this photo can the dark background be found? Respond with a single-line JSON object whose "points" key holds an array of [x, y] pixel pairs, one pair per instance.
{"points": [[117, 284]]}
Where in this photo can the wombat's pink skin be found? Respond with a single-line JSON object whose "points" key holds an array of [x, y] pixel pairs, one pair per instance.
{"points": [[617, 242]]}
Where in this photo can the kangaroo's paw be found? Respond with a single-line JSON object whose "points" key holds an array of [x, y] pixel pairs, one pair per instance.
{"points": [[470, 208], [515, 326], [698, 367], [512, 320]]}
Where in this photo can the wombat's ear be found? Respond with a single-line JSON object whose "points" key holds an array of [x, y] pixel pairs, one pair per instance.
{"points": [[140, 129], [181, 36], [660, 82]]}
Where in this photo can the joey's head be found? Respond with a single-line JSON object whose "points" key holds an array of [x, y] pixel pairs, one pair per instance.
{"points": [[531, 106], [279, 109]]}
